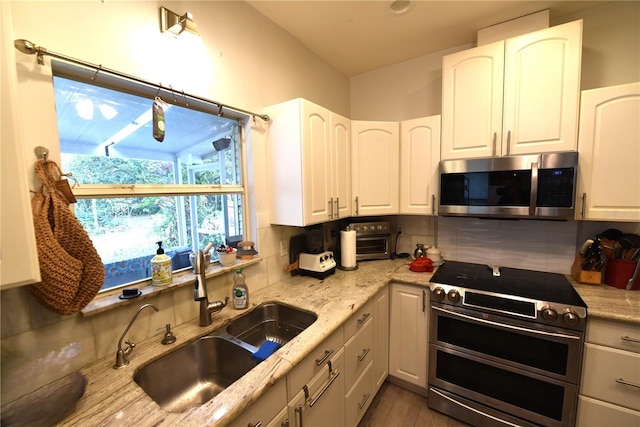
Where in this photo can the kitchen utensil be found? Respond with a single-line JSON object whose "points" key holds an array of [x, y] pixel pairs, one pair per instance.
{"points": [[420, 251]]}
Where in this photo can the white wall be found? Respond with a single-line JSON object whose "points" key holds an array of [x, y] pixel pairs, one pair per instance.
{"points": [[241, 59]]}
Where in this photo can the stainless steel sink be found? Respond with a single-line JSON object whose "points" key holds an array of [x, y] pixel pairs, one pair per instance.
{"points": [[193, 374], [271, 321]]}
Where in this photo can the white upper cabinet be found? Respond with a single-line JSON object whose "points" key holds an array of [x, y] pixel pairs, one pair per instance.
{"points": [[472, 102], [309, 164], [419, 157], [520, 96], [18, 255], [375, 167], [609, 146]]}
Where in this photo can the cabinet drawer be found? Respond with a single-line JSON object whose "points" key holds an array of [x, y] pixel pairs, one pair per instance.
{"points": [[595, 413], [265, 409], [360, 396], [357, 320], [614, 334], [358, 353], [604, 368], [314, 363]]}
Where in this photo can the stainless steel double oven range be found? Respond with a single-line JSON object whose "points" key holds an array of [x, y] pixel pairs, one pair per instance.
{"points": [[505, 345]]}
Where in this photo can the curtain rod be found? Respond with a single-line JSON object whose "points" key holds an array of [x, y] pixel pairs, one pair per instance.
{"points": [[25, 46]]}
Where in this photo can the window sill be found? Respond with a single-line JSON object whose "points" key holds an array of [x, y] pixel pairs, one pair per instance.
{"points": [[109, 300]]}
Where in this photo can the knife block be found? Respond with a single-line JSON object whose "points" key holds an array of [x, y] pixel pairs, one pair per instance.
{"points": [[584, 276]]}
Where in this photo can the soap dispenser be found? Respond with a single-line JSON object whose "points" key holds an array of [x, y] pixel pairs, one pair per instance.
{"points": [[240, 291], [160, 267]]}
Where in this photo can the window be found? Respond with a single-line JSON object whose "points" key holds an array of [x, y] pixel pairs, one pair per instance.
{"points": [[185, 191]]}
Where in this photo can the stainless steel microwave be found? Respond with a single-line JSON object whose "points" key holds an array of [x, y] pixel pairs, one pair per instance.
{"points": [[530, 186]]}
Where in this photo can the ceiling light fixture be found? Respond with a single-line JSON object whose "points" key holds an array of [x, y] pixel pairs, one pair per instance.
{"points": [[177, 24], [400, 6]]}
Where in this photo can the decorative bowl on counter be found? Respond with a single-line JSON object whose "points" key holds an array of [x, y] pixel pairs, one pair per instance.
{"points": [[227, 258]]}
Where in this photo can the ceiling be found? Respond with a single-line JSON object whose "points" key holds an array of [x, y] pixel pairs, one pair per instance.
{"points": [[360, 36]]}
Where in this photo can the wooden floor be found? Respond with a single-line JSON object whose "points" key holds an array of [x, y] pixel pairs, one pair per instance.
{"points": [[395, 406]]}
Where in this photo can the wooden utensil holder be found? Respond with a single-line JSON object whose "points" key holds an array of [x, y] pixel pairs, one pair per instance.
{"points": [[584, 276]]}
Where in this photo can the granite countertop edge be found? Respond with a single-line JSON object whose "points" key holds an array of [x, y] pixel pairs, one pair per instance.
{"points": [[113, 398]]}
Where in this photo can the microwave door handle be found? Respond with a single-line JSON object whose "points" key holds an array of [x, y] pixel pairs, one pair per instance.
{"points": [[534, 189]]}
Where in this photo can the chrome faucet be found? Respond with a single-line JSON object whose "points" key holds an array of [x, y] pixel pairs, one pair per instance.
{"points": [[200, 293], [121, 354]]}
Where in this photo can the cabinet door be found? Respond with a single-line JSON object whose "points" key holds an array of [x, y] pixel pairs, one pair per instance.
{"points": [[381, 337], [267, 410], [408, 339], [609, 147], [19, 259], [472, 102], [375, 167], [341, 166], [316, 155], [419, 157], [324, 405], [542, 90]]}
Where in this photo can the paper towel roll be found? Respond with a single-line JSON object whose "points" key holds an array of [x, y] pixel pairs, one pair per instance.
{"points": [[348, 248]]}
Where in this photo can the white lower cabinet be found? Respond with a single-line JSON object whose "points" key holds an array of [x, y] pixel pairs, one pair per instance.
{"points": [[321, 400], [335, 384], [408, 334], [381, 337], [610, 387], [270, 410]]}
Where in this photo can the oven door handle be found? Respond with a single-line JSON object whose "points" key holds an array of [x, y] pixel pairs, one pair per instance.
{"points": [[506, 326]]}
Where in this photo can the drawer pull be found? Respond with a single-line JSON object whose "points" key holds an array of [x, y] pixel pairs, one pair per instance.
{"points": [[364, 318], [633, 340], [258, 424], [299, 412], [327, 353], [365, 351], [313, 400], [623, 382], [365, 397]]}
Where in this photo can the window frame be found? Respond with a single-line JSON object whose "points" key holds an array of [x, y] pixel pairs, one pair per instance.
{"points": [[101, 191]]}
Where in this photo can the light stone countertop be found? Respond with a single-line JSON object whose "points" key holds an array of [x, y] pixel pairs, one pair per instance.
{"points": [[113, 399]]}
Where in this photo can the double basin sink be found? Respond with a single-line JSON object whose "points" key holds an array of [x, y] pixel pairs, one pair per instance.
{"points": [[189, 376]]}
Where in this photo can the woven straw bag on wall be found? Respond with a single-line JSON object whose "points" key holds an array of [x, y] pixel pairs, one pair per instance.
{"points": [[71, 269]]}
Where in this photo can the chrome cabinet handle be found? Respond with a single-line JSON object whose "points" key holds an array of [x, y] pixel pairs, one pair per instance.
{"points": [[508, 143], [433, 204], [495, 137], [299, 412], [365, 351], [337, 207], [633, 340], [356, 205], [364, 400], [331, 208], [313, 400], [364, 318], [584, 204], [424, 301], [623, 382], [327, 353], [258, 424]]}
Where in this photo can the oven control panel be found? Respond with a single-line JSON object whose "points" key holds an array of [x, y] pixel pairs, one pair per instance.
{"points": [[541, 311], [361, 228]]}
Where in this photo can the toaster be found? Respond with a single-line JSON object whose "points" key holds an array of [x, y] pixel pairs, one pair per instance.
{"points": [[317, 265]]}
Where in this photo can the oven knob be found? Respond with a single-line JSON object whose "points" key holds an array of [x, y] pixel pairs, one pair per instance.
{"points": [[453, 295], [570, 318], [438, 293], [549, 313]]}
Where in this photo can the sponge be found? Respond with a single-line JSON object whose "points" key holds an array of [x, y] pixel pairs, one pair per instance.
{"points": [[266, 349]]}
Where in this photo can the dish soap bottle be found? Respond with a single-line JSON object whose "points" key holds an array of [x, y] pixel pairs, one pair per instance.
{"points": [[160, 267], [240, 291]]}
